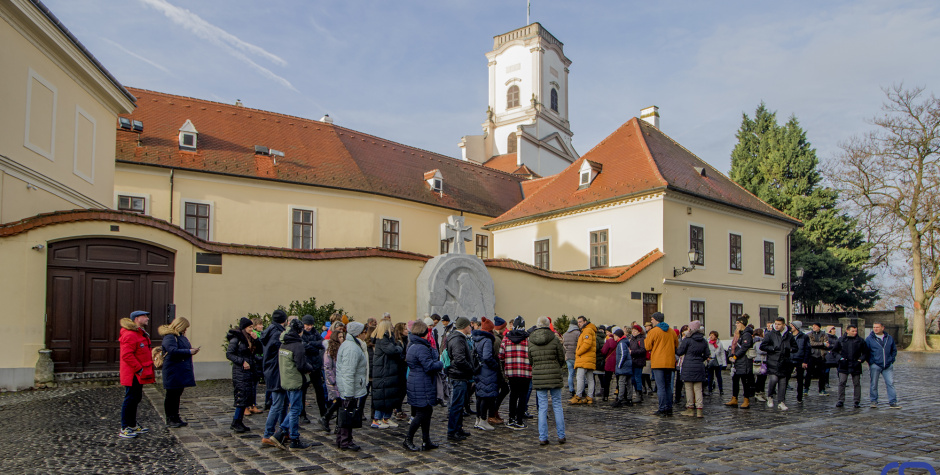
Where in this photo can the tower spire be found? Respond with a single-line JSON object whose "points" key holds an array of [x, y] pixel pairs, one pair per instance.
{"points": [[528, 11]]}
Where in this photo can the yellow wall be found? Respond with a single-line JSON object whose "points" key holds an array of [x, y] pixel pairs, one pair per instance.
{"points": [[251, 211]]}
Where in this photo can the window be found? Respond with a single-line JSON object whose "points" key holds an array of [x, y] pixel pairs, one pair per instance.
{"points": [[445, 246], [390, 234], [697, 311], [734, 251], [585, 178], [512, 97], [769, 257], [302, 229], [737, 309], [511, 143], [541, 254], [554, 97], [483, 246], [598, 249], [197, 220], [697, 241], [133, 204]]}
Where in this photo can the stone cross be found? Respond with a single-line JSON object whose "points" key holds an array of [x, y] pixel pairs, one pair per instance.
{"points": [[454, 230]]}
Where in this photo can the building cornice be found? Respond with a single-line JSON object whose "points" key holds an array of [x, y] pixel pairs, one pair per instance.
{"points": [[734, 288], [584, 208], [32, 177]]}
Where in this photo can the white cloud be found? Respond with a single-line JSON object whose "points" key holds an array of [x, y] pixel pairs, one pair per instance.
{"points": [[131, 53], [221, 38]]}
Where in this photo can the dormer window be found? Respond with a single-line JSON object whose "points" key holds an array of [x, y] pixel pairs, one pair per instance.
{"points": [[188, 136], [434, 180], [588, 172]]}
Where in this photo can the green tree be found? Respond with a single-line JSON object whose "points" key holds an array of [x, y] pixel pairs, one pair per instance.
{"points": [[561, 324], [778, 164]]}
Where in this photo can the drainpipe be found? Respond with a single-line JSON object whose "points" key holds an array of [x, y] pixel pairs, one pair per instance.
{"points": [[789, 284], [171, 195]]}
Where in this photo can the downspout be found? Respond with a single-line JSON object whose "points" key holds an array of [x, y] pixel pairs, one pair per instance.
{"points": [[789, 284], [171, 195]]}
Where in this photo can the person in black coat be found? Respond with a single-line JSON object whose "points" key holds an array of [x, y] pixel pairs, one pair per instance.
{"points": [[779, 345], [460, 372], [177, 368], [242, 346], [424, 365], [800, 358], [271, 339], [851, 350], [313, 348], [743, 364], [694, 351], [387, 368]]}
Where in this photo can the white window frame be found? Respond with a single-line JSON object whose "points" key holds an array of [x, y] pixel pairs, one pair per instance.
{"points": [[146, 197], [50, 154], [698, 299], [79, 112], [763, 265], [290, 226], [688, 235], [382, 232], [189, 148], [212, 212], [728, 249], [549, 239]]}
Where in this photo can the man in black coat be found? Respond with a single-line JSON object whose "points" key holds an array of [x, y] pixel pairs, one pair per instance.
{"points": [[851, 351], [271, 339], [313, 350], [779, 345], [461, 370], [799, 359]]}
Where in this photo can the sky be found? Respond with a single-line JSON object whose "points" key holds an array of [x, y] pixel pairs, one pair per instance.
{"points": [[415, 71]]}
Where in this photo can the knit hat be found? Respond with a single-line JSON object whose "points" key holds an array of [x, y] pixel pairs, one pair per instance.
{"points": [[499, 323], [474, 320], [487, 325], [296, 326], [695, 326], [419, 329], [308, 320], [638, 328], [518, 322], [461, 323], [743, 319], [279, 316], [429, 322], [345, 320], [410, 324], [244, 323], [354, 328], [445, 318], [658, 316], [619, 333], [798, 324]]}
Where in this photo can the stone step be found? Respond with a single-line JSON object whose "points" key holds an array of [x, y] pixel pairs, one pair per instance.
{"points": [[90, 378]]}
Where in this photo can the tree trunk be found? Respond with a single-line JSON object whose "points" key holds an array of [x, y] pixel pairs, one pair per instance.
{"points": [[919, 325]]}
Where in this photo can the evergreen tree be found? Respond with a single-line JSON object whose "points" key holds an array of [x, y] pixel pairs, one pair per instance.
{"points": [[778, 165]]}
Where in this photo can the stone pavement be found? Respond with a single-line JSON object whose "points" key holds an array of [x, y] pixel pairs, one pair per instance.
{"points": [[69, 431]]}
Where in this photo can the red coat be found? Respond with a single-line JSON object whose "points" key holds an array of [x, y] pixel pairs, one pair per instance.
{"points": [[135, 354], [609, 350]]}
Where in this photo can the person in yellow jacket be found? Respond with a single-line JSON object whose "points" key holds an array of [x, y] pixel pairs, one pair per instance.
{"points": [[661, 342], [585, 362]]}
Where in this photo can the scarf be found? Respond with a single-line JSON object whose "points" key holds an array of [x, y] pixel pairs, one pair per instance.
{"points": [[714, 344], [663, 326]]}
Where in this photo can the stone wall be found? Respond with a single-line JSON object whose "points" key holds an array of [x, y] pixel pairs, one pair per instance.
{"points": [[894, 321]]}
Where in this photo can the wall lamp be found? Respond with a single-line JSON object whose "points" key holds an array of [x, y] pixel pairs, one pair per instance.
{"points": [[694, 256], [38, 247]]}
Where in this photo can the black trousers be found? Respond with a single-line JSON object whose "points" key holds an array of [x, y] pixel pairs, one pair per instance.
{"points": [[605, 383], [314, 385], [500, 397], [171, 404], [799, 381], [132, 396], [747, 380], [817, 369], [518, 388], [484, 405], [344, 435], [422, 419]]}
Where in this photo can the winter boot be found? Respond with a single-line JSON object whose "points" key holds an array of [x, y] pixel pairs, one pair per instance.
{"points": [[733, 401], [746, 404]]}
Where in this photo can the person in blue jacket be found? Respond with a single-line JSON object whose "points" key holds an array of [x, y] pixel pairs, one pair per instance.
{"points": [[486, 378], [424, 365], [882, 351], [177, 368], [623, 369]]}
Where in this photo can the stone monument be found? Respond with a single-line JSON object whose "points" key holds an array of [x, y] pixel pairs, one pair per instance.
{"points": [[455, 284]]}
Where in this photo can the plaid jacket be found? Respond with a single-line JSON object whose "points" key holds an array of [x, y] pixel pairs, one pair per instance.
{"points": [[515, 357]]}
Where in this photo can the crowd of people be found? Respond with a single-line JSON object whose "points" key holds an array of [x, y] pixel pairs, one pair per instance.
{"points": [[435, 362]]}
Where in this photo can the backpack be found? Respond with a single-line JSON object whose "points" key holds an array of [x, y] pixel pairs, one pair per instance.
{"points": [[445, 358], [158, 355]]}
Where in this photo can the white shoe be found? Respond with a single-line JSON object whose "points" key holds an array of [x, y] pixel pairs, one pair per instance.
{"points": [[486, 425], [476, 425], [782, 406], [760, 397], [770, 402], [390, 423]]}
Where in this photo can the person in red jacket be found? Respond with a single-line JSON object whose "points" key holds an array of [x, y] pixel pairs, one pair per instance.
{"points": [[136, 370]]}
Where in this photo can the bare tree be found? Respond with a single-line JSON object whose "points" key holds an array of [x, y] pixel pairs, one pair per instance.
{"points": [[892, 177]]}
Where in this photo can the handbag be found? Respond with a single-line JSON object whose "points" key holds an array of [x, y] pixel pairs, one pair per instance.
{"points": [[157, 355], [763, 369], [350, 415]]}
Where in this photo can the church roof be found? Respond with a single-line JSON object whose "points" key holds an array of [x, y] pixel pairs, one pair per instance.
{"points": [[314, 153], [504, 163], [637, 158]]}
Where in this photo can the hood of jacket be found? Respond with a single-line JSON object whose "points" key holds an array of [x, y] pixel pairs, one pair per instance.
{"points": [[518, 335], [697, 336], [235, 333], [290, 337], [480, 335], [417, 340], [589, 327], [663, 326], [541, 336], [572, 326], [165, 330], [128, 324]]}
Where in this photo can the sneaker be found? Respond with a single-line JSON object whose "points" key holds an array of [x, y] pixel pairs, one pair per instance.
{"points": [[278, 439], [139, 430], [894, 406], [840, 404], [127, 433], [239, 427], [456, 437], [268, 442], [486, 425], [782, 406], [770, 402], [380, 425], [297, 444], [823, 393], [353, 447], [516, 425], [760, 397], [543, 442], [874, 405], [390, 423], [562, 440]]}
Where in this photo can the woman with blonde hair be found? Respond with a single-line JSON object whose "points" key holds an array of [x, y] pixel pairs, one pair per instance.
{"points": [[388, 364], [177, 368]]}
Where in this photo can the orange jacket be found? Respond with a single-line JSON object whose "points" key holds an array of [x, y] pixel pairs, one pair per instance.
{"points": [[585, 355], [662, 347]]}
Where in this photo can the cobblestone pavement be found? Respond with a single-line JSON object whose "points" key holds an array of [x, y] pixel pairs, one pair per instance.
{"points": [[75, 433]]}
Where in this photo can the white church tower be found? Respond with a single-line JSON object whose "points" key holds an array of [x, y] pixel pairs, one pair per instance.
{"points": [[528, 104]]}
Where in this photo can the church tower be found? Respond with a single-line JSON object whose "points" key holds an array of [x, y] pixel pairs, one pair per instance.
{"points": [[527, 116]]}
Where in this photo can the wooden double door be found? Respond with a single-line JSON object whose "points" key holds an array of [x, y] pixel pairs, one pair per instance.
{"points": [[94, 283]]}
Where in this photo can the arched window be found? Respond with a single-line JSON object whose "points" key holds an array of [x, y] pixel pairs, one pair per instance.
{"points": [[511, 143], [554, 100], [512, 97]]}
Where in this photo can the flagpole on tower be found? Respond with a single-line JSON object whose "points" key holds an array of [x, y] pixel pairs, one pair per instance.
{"points": [[528, 11]]}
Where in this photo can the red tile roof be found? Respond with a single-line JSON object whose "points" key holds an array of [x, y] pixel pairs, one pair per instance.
{"points": [[504, 163], [609, 274], [316, 153], [637, 158], [531, 186]]}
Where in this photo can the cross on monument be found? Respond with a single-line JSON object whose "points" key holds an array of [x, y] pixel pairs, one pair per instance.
{"points": [[454, 230]]}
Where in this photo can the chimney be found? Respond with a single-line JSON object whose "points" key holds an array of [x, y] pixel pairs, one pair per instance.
{"points": [[650, 115], [327, 119], [238, 103]]}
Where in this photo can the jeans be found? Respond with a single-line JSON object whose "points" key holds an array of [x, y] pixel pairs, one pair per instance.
{"points": [[888, 374], [570, 375], [379, 415], [541, 400], [638, 380], [171, 404], [664, 380], [776, 388], [856, 387], [276, 414], [458, 396], [291, 423], [239, 414], [132, 396], [422, 420], [584, 375], [518, 387]]}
